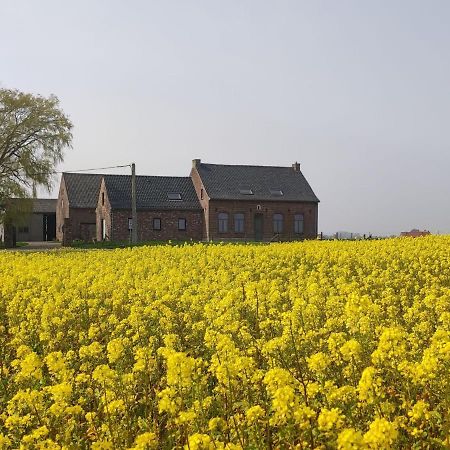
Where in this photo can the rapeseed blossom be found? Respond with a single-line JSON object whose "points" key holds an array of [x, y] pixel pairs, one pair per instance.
{"points": [[299, 345]]}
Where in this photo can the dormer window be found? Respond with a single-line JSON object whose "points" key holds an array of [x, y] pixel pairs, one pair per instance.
{"points": [[246, 191], [174, 196]]}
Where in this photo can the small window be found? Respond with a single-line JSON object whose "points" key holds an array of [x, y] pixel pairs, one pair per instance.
{"points": [[277, 223], [246, 191], [201, 194], [298, 223], [174, 196], [239, 223], [104, 229], [130, 223], [276, 192], [223, 222], [103, 198], [182, 224], [157, 224]]}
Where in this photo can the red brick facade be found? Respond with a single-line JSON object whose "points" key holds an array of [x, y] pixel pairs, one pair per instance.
{"points": [[263, 211], [118, 229], [62, 210], [82, 220], [214, 220], [117, 223], [253, 211]]}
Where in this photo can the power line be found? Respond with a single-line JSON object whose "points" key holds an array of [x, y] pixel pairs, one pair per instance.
{"points": [[56, 172], [97, 168]]}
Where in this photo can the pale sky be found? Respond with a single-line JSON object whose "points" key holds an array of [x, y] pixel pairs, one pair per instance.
{"points": [[356, 91]]}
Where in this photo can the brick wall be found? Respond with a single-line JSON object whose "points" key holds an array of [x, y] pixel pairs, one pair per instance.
{"points": [[204, 202], [212, 208], [267, 209], [62, 210], [103, 212], [116, 222], [82, 220], [169, 225], [67, 235]]}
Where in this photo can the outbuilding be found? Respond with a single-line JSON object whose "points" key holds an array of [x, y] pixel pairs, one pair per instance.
{"points": [[167, 209]]}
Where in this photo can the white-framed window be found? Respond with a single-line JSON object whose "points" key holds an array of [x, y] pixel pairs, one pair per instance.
{"points": [[278, 223], [298, 224], [182, 224], [103, 229], [130, 223], [223, 222], [239, 224], [157, 224]]}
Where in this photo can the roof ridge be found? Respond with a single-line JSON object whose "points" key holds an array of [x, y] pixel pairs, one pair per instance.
{"points": [[245, 165], [146, 176], [83, 174]]}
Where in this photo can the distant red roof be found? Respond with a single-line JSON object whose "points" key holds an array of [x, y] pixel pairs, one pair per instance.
{"points": [[415, 233]]}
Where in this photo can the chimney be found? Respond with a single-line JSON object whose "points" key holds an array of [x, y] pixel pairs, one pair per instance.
{"points": [[196, 162], [296, 166]]}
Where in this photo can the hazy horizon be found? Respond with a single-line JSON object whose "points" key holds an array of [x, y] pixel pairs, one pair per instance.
{"points": [[357, 92]]}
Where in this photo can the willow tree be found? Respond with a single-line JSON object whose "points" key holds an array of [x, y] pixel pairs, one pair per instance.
{"points": [[34, 132]]}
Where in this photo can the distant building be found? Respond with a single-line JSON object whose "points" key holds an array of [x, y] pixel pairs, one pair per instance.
{"points": [[36, 221], [415, 233], [216, 202], [342, 235], [75, 209]]}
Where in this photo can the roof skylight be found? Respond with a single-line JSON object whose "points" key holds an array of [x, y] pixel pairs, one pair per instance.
{"points": [[276, 192], [174, 196], [246, 191]]}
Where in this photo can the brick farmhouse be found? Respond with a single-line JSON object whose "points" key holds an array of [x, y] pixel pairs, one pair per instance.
{"points": [[216, 202], [167, 208], [255, 203], [76, 205]]}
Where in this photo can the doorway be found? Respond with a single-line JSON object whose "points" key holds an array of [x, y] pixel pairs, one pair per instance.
{"points": [[258, 223], [49, 227]]}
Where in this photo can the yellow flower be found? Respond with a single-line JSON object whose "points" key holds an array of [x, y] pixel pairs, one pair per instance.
{"points": [[200, 441], [115, 349], [330, 418], [102, 445], [381, 434], [254, 414], [350, 439], [146, 441]]}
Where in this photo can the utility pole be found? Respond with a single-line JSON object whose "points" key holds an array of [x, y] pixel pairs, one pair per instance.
{"points": [[134, 234]]}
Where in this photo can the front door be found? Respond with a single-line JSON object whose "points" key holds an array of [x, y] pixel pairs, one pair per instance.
{"points": [[49, 227], [258, 222]]}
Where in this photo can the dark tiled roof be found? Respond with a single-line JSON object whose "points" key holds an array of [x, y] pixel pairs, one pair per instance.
{"points": [[35, 205], [44, 205], [226, 182], [82, 189], [151, 192]]}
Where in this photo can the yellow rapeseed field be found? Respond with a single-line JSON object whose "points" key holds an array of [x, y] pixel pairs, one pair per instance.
{"points": [[302, 345]]}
